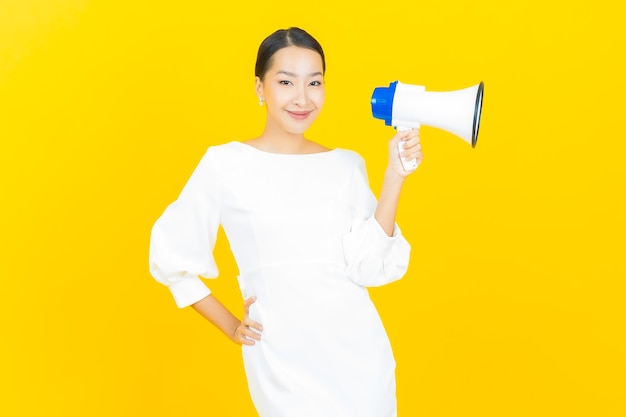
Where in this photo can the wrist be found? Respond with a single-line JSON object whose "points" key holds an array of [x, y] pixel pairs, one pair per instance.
{"points": [[393, 177], [233, 335]]}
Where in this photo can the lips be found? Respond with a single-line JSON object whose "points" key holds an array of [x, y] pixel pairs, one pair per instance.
{"points": [[299, 115]]}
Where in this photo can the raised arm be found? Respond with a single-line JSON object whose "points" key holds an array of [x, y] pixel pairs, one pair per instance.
{"points": [[395, 176]]}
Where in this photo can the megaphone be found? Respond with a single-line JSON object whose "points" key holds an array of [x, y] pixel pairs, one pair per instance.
{"points": [[407, 106]]}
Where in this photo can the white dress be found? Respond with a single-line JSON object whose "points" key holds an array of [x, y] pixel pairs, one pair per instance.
{"points": [[302, 232]]}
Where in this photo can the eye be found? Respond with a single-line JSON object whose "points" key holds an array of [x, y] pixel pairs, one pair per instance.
{"points": [[316, 83], [284, 82]]}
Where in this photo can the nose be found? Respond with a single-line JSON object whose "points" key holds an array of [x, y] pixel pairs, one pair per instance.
{"points": [[300, 97]]}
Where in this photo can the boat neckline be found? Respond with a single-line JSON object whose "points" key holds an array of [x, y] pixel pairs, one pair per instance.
{"points": [[254, 148]]}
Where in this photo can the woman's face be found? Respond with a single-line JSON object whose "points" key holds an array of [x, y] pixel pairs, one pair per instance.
{"points": [[293, 89]]}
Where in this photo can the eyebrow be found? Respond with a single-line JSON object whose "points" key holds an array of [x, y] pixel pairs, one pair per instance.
{"points": [[291, 74]]}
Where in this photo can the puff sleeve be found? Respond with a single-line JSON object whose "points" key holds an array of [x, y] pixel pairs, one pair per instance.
{"points": [[183, 237], [373, 258]]}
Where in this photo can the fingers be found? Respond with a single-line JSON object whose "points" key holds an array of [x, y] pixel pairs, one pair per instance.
{"points": [[246, 320], [410, 136], [247, 335], [251, 324], [407, 134], [412, 146], [405, 152], [247, 303], [249, 330], [413, 151]]}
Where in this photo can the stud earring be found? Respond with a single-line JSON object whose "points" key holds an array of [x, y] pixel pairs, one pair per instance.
{"points": [[260, 101]]}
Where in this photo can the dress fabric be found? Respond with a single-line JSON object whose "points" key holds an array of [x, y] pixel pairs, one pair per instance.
{"points": [[302, 232]]}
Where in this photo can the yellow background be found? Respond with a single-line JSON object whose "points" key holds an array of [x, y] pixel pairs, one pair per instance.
{"points": [[514, 302]]}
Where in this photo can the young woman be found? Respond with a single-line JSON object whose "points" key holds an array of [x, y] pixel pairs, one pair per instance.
{"points": [[308, 236]]}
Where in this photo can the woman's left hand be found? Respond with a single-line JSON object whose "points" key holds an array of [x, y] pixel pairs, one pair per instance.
{"points": [[412, 150]]}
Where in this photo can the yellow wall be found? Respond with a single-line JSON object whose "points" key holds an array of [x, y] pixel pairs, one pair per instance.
{"points": [[514, 302]]}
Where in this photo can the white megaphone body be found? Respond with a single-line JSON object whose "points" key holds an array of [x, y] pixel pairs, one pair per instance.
{"points": [[407, 106]]}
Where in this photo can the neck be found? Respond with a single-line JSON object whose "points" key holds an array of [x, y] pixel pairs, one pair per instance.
{"points": [[281, 142]]}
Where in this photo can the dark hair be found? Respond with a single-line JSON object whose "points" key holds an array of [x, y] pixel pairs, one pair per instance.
{"points": [[280, 39]]}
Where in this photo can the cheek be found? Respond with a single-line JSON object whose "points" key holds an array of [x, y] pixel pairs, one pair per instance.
{"points": [[275, 96], [319, 97], [276, 101]]}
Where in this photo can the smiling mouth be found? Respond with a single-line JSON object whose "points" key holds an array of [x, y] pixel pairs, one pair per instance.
{"points": [[300, 115]]}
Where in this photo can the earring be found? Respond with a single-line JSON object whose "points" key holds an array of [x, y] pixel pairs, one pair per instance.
{"points": [[260, 101]]}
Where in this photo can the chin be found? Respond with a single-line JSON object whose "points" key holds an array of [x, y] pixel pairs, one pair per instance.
{"points": [[299, 131], [299, 128]]}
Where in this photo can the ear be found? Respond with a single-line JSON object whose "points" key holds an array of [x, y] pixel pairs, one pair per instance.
{"points": [[258, 88]]}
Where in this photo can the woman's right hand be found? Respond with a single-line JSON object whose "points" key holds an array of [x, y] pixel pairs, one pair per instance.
{"points": [[248, 330]]}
